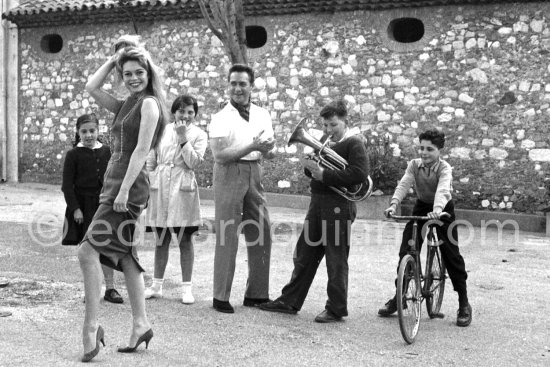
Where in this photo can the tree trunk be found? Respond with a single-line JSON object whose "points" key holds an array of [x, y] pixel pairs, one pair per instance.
{"points": [[225, 18]]}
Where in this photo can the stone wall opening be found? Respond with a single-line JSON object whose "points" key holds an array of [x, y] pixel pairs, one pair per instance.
{"points": [[256, 36], [406, 30], [51, 43]]}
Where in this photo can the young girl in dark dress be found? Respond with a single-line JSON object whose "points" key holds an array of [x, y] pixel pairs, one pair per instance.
{"points": [[83, 172]]}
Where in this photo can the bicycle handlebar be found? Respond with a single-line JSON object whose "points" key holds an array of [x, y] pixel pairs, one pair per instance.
{"points": [[413, 217]]}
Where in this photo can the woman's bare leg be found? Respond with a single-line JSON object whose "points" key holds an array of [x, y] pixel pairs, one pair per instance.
{"points": [[91, 271], [135, 287]]}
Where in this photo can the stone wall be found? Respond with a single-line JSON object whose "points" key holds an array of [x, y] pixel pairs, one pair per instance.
{"points": [[481, 74]]}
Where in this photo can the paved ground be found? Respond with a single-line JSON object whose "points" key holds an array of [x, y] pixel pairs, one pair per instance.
{"points": [[509, 284]]}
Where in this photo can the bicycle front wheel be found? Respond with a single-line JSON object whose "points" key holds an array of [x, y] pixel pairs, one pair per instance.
{"points": [[435, 282], [408, 298]]}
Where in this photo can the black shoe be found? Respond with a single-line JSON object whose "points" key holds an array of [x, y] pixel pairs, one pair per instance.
{"points": [[254, 302], [464, 316], [111, 295], [389, 308], [278, 306], [222, 306], [327, 316]]}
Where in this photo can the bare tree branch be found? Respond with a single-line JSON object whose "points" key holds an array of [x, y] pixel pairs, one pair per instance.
{"points": [[240, 28], [239, 22], [225, 18], [235, 43], [209, 20], [215, 6]]}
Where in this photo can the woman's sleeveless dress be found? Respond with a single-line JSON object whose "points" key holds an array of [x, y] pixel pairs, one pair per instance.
{"points": [[112, 233]]}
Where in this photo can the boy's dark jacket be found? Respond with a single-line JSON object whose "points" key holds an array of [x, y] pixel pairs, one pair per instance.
{"points": [[354, 150]]}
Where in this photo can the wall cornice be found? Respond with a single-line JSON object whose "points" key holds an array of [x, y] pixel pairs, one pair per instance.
{"points": [[44, 13]]}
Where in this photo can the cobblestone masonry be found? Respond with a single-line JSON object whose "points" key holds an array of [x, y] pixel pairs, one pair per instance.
{"points": [[481, 74]]}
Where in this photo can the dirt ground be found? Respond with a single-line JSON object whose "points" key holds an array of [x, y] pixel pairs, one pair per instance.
{"points": [[509, 284]]}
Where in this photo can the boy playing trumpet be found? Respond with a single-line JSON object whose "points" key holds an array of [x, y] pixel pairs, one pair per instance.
{"points": [[327, 226]]}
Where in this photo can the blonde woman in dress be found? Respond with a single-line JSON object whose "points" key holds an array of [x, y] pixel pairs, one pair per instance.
{"points": [[174, 205], [138, 123]]}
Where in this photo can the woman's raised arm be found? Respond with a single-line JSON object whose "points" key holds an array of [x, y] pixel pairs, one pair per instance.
{"points": [[95, 82]]}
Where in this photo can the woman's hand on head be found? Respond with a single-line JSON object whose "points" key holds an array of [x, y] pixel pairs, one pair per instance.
{"points": [[114, 58]]}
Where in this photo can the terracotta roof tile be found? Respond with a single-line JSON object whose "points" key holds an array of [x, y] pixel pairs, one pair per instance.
{"points": [[34, 13], [39, 6]]}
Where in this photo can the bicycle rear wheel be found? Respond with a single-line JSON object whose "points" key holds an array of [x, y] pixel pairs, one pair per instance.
{"points": [[435, 282], [408, 298]]}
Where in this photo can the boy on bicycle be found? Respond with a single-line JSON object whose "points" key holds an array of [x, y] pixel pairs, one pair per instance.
{"points": [[432, 180]]}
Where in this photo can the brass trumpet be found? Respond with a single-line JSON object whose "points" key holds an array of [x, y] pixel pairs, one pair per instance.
{"points": [[328, 158]]}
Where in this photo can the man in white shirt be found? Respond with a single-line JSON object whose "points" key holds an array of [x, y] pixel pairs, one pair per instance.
{"points": [[240, 135]]}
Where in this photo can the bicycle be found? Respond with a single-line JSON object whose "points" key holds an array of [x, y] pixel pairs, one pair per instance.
{"points": [[413, 287]]}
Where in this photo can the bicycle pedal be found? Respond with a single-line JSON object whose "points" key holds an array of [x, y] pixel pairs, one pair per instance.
{"points": [[438, 315]]}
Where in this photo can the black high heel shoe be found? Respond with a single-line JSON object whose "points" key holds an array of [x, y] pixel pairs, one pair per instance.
{"points": [[99, 337], [144, 338]]}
